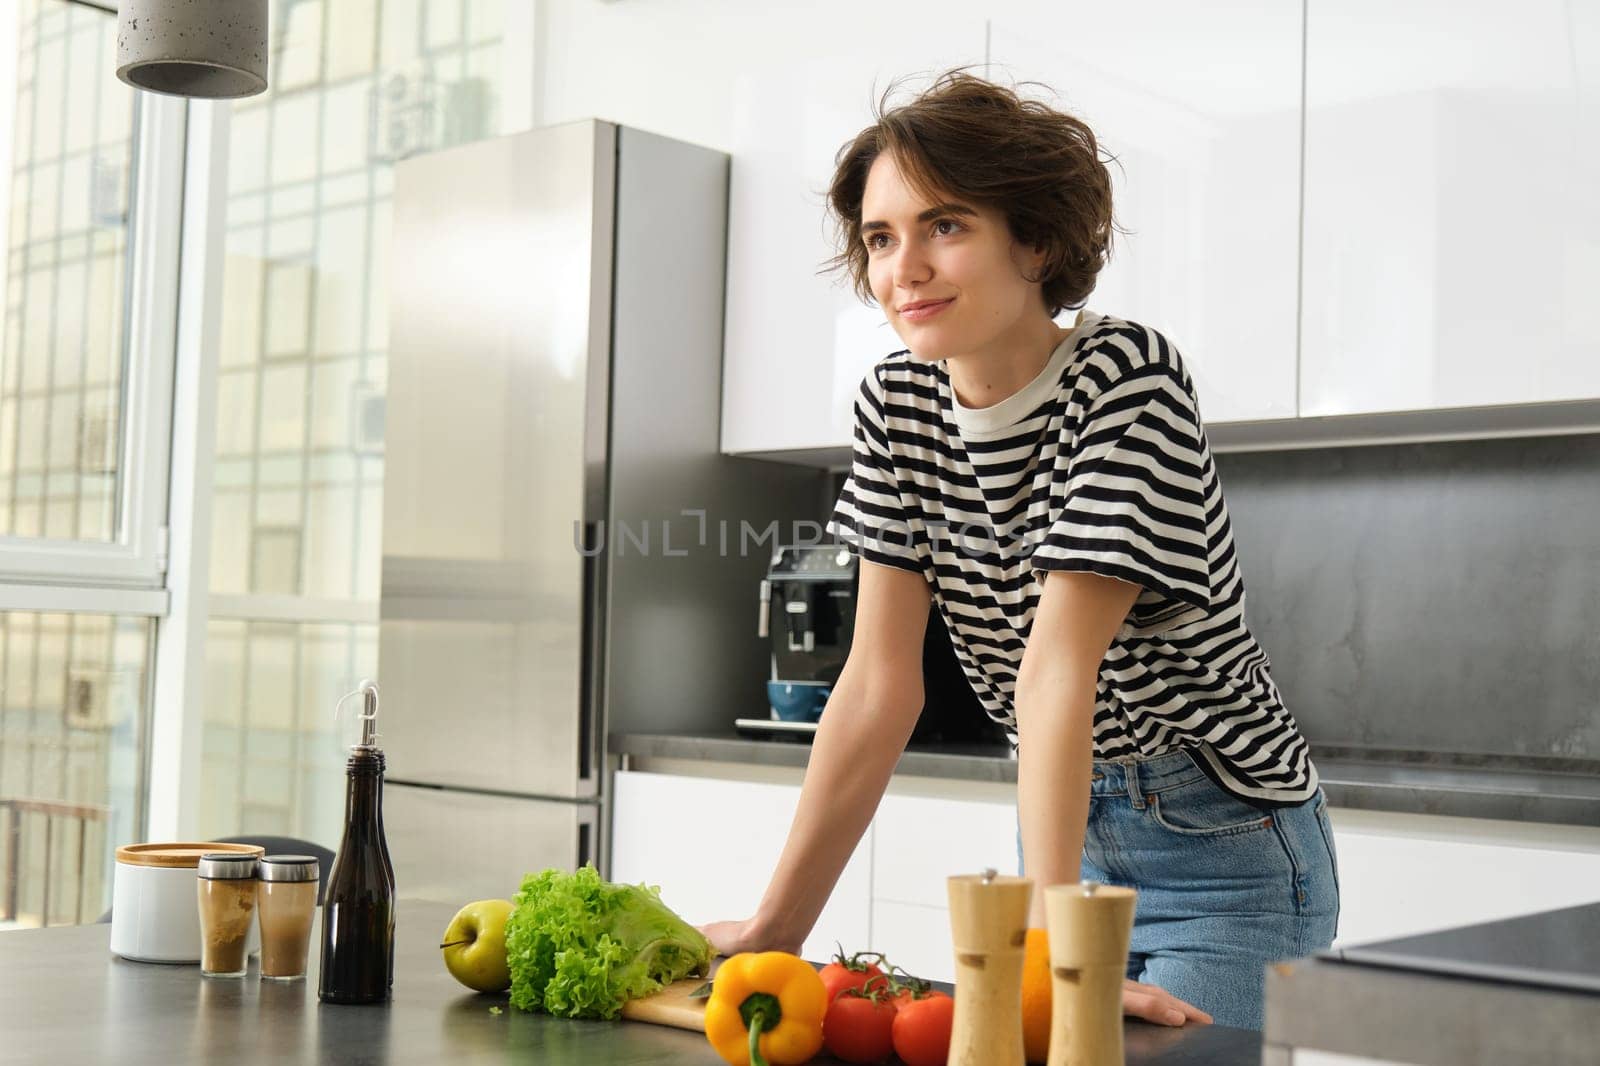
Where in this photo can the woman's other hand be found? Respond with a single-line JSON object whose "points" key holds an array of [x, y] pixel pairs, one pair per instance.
{"points": [[730, 938], [1157, 1005]]}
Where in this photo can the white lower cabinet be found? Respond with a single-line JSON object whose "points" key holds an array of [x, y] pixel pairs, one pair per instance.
{"points": [[711, 845], [1404, 874], [914, 937], [919, 841]]}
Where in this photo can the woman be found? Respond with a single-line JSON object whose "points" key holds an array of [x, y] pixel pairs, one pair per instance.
{"points": [[1053, 492]]}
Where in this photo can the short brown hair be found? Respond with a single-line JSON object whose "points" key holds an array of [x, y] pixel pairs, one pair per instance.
{"points": [[968, 138]]}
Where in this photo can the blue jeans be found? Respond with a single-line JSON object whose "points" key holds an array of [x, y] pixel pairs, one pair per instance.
{"points": [[1224, 888]]}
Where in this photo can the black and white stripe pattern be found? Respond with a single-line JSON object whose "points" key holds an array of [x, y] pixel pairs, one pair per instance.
{"points": [[1101, 464]]}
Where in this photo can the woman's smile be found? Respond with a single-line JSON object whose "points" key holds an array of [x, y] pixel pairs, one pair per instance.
{"points": [[922, 310]]}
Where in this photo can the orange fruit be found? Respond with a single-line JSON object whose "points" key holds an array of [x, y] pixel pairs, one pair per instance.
{"points": [[1036, 996]]}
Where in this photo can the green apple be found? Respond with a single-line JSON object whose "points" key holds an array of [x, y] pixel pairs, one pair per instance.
{"points": [[475, 945]]}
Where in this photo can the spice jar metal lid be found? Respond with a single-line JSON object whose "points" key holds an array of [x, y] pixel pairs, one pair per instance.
{"points": [[227, 866], [290, 868]]}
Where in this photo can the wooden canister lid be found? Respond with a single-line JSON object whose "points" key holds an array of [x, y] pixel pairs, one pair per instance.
{"points": [[179, 856]]}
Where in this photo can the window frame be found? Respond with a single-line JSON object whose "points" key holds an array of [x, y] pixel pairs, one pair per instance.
{"points": [[137, 558]]}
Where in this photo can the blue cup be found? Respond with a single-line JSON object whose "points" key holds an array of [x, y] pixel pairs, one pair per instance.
{"points": [[797, 703]]}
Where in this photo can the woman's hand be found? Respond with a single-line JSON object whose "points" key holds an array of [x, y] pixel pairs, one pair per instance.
{"points": [[1158, 1005], [730, 938]]}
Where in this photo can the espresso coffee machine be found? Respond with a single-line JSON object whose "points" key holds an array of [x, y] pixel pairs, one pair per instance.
{"points": [[808, 611]]}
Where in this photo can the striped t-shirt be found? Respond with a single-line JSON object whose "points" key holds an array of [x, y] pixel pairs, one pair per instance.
{"points": [[1099, 464]]}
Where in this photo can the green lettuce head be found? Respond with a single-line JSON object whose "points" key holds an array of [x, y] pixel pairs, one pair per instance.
{"points": [[581, 947]]}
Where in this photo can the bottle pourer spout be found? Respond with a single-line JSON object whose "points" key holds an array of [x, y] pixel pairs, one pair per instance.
{"points": [[368, 691], [369, 714]]}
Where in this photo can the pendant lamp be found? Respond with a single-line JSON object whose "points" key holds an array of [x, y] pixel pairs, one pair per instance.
{"points": [[208, 49]]}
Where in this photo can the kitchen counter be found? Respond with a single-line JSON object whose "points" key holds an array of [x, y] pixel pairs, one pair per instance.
{"points": [[69, 1000], [1518, 990], [1560, 791], [955, 762]]}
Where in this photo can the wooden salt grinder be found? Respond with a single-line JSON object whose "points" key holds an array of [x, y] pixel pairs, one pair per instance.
{"points": [[1089, 927], [988, 926]]}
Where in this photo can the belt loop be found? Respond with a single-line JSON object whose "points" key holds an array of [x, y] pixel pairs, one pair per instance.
{"points": [[1130, 774]]}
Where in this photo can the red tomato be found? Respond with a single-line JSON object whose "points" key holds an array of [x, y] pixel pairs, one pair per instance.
{"points": [[922, 1029], [843, 973], [859, 1028], [909, 988]]}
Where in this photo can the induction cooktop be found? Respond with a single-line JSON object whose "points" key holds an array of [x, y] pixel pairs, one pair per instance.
{"points": [[1555, 949]]}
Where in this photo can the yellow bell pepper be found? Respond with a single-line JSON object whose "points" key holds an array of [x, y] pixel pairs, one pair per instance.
{"points": [[766, 1007]]}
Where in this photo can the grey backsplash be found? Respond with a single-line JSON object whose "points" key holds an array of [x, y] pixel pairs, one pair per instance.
{"points": [[1425, 600], [1440, 597]]}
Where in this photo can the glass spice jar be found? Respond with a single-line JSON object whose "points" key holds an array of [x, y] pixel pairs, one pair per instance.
{"points": [[227, 893], [287, 907]]}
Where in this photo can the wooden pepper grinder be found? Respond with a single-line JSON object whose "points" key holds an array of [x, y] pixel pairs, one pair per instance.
{"points": [[1089, 926], [988, 926]]}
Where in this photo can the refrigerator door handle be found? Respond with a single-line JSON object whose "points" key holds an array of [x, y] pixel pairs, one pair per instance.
{"points": [[590, 686]]}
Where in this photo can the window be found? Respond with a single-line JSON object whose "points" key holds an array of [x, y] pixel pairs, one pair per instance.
{"points": [[87, 226], [92, 182], [271, 762], [85, 367], [73, 693], [297, 504], [61, 395]]}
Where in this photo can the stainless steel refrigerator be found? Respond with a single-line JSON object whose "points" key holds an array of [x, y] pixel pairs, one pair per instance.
{"points": [[554, 378]]}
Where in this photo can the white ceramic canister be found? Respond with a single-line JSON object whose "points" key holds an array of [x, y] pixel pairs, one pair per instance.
{"points": [[155, 916]]}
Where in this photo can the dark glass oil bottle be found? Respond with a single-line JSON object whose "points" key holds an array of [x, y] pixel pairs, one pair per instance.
{"points": [[358, 905]]}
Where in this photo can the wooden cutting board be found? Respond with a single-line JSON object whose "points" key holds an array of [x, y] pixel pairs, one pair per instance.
{"points": [[671, 1006]]}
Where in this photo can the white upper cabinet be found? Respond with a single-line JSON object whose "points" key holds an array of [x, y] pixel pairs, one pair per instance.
{"points": [[798, 342], [1452, 229], [1445, 251], [1201, 105], [781, 87]]}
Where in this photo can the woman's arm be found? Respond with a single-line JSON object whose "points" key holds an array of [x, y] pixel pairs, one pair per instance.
{"points": [[864, 730], [1077, 617]]}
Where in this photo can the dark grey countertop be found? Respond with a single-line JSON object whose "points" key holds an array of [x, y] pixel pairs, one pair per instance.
{"points": [[67, 999], [958, 762], [1526, 790]]}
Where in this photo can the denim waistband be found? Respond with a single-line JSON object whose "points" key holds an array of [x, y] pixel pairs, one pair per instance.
{"points": [[1147, 774]]}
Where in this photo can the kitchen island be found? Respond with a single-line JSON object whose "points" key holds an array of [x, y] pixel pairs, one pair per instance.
{"points": [[67, 999]]}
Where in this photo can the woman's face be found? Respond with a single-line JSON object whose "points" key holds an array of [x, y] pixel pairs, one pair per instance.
{"points": [[957, 260]]}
